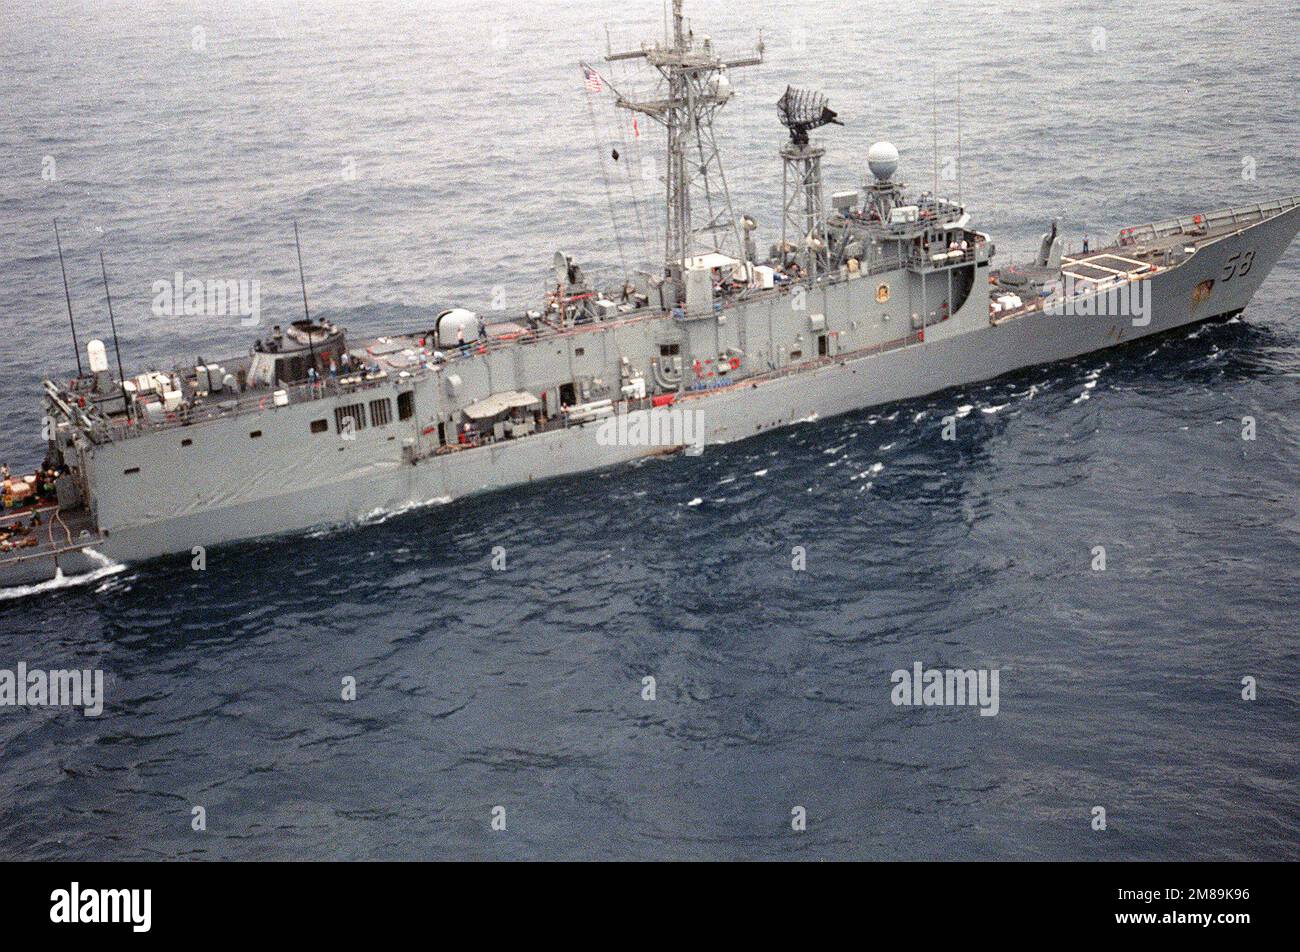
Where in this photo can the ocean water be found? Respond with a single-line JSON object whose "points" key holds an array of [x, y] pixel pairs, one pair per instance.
{"points": [[439, 153]]}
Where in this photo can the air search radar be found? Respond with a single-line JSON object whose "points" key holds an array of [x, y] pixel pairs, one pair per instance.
{"points": [[802, 110]]}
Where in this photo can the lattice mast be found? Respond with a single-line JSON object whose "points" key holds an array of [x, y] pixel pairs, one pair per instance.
{"points": [[803, 214], [699, 215]]}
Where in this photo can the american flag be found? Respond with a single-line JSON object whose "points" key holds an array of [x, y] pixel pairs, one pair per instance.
{"points": [[593, 83]]}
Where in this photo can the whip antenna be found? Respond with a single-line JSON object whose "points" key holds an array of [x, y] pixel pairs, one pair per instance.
{"points": [[934, 131], [67, 296], [113, 324], [311, 344]]}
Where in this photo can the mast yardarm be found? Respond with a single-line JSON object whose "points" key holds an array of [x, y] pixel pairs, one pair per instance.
{"points": [[700, 217]]}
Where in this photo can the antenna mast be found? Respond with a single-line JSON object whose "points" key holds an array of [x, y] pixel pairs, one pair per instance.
{"points": [[67, 296], [301, 277], [934, 132], [112, 323], [804, 210], [699, 213], [958, 137], [311, 344]]}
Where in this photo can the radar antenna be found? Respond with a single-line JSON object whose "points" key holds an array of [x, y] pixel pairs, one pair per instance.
{"points": [[801, 111]]}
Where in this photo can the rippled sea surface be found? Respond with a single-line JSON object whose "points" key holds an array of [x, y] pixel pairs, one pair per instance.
{"points": [[434, 154]]}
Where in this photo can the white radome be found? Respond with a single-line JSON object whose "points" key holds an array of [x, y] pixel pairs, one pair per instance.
{"points": [[453, 319], [882, 159], [722, 85], [98, 356]]}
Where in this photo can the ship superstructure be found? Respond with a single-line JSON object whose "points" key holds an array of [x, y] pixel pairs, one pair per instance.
{"points": [[878, 296]]}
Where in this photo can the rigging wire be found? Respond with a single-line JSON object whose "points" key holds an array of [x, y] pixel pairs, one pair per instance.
{"points": [[655, 215], [636, 173], [604, 174]]}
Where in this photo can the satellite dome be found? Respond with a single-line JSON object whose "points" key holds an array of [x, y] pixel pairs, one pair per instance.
{"points": [[456, 319], [882, 159], [721, 85]]}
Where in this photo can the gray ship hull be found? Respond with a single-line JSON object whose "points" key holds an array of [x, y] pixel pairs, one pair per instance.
{"points": [[289, 492]]}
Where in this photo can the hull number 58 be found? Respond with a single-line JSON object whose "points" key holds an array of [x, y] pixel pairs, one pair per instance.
{"points": [[1238, 266]]}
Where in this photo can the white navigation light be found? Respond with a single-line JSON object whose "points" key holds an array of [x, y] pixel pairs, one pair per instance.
{"points": [[882, 159]]}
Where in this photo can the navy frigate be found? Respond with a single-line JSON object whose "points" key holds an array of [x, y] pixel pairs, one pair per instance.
{"points": [[876, 296]]}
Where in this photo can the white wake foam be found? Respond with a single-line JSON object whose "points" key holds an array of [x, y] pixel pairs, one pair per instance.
{"points": [[106, 568]]}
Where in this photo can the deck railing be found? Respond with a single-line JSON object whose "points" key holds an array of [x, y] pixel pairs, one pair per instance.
{"points": [[1219, 218], [250, 401], [263, 397]]}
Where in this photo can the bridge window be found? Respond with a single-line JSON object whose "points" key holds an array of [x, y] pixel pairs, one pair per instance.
{"points": [[406, 405], [255, 435], [351, 418], [291, 369], [319, 426], [381, 412]]}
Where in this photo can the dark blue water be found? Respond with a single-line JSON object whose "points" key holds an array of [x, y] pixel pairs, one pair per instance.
{"points": [[522, 688]]}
